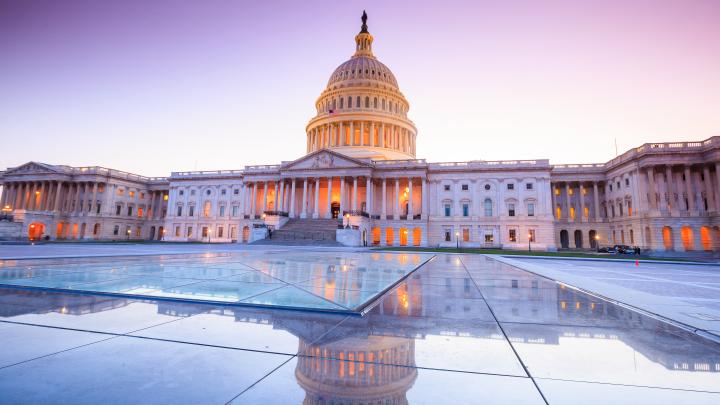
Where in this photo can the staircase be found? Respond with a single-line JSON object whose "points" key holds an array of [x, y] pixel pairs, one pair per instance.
{"points": [[305, 232]]}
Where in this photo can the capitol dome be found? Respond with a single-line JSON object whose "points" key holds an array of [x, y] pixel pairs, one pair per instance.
{"points": [[362, 113]]}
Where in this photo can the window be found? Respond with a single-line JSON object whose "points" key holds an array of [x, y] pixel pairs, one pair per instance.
{"points": [[222, 192], [349, 102], [179, 210], [207, 192], [446, 187], [177, 231], [165, 197], [447, 210], [192, 192], [181, 192], [511, 186], [466, 235], [140, 212], [189, 231], [222, 211], [466, 209], [118, 208], [236, 191], [627, 182], [528, 186], [488, 207], [487, 187], [489, 237], [97, 208], [129, 211], [235, 210], [131, 194], [447, 235], [116, 230], [120, 191], [464, 187], [531, 235], [618, 185], [531, 209], [512, 236], [138, 231], [191, 211], [204, 232], [206, 208], [611, 187], [220, 232], [511, 210], [142, 196]]}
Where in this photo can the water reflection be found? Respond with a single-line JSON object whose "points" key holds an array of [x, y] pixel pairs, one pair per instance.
{"points": [[435, 313]]}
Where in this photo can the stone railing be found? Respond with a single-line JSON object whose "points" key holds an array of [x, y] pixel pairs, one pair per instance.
{"points": [[262, 168], [489, 164], [207, 173], [276, 213], [104, 171], [356, 213], [399, 163]]}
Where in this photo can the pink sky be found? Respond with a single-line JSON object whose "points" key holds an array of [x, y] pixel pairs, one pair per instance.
{"points": [[172, 85]]}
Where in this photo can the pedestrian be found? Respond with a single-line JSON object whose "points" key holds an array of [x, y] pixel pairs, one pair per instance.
{"points": [[270, 233]]}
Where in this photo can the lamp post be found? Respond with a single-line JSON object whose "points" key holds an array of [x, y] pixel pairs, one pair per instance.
{"points": [[347, 219], [597, 243], [208, 234], [529, 240], [457, 240], [128, 234]]}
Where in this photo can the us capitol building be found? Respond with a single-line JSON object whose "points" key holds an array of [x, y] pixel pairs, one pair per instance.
{"points": [[360, 183]]}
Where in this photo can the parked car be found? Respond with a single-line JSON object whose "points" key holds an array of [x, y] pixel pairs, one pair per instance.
{"points": [[624, 249], [606, 249]]}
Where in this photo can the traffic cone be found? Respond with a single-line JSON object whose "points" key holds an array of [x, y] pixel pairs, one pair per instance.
{"points": [[637, 263]]}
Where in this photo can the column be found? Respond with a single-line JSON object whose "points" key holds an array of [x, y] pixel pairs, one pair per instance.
{"points": [[38, 198], [372, 134], [341, 134], [567, 201], [18, 197], [384, 200], [93, 202], [581, 195], [423, 197], [56, 196], [362, 132], [596, 201], [282, 195], [265, 196], [689, 189], [352, 132], [303, 212], [708, 189], [316, 207], [410, 199], [253, 199], [343, 206], [355, 193], [78, 199], [669, 186], [292, 199], [31, 196], [5, 191], [396, 212], [381, 136], [328, 214], [368, 195], [652, 188]]}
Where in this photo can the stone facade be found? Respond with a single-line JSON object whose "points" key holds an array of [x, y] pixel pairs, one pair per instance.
{"points": [[361, 168]]}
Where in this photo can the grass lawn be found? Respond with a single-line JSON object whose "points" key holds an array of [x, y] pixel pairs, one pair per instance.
{"points": [[484, 251]]}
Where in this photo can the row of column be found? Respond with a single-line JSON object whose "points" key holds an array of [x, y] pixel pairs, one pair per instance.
{"points": [[569, 192], [379, 135], [285, 198], [661, 184]]}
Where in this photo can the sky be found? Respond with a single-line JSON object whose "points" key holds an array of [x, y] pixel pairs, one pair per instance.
{"points": [[157, 86]]}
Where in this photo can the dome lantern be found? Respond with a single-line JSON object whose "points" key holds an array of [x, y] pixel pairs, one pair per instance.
{"points": [[363, 40]]}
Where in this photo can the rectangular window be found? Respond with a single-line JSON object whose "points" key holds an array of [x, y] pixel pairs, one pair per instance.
{"points": [[489, 238], [116, 229], [189, 231], [129, 211], [531, 235], [466, 235], [138, 231], [464, 187], [528, 186], [531, 209], [179, 210], [165, 197], [447, 210], [142, 196], [191, 211], [222, 210], [236, 191], [131, 194], [223, 192], [177, 231], [446, 187], [181, 192], [220, 232], [204, 231], [511, 186], [466, 210], [140, 212], [97, 208], [627, 182], [235, 210], [192, 192], [118, 208], [511, 210], [206, 208], [512, 235], [127, 231], [120, 191], [448, 235]]}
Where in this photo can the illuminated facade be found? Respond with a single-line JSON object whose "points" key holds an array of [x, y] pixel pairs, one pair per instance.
{"points": [[360, 172]]}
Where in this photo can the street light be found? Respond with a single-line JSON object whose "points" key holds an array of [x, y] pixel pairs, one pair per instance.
{"points": [[597, 242], [529, 240], [457, 240], [128, 234], [209, 231], [347, 218]]}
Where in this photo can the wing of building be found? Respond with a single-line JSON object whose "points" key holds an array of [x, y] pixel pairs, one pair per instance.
{"points": [[360, 183]]}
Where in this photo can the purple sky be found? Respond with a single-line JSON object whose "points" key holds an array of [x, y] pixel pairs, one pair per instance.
{"points": [[155, 86]]}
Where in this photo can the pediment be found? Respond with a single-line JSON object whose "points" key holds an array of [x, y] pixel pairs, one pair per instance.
{"points": [[33, 168], [325, 159]]}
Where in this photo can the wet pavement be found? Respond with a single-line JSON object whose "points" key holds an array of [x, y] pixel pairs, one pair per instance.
{"points": [[460, 329]]}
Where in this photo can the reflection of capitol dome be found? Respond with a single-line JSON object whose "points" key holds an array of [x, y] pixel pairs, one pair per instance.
{"points": [[355, 373], [362, 112]]}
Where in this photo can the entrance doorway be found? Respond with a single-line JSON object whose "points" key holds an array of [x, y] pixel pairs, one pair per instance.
{"points": [[36, 231], [564, 239], [335, 210]]}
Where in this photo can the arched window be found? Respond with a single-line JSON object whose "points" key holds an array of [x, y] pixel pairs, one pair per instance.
{"points": [[367, 102], [383, 104], [488, 207], [375, 103], [342, 103], [349, 102], [357, 101]]}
